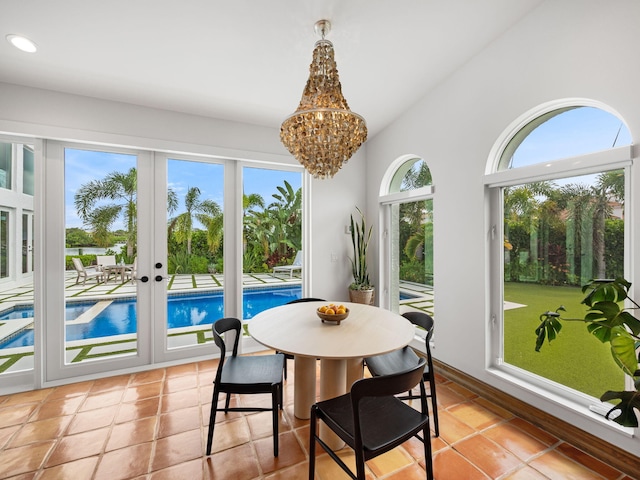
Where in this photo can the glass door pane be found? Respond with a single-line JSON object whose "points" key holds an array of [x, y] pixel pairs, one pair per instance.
{"points": [[27, 243], [557, 236], [194, 258], [100, 254], [16, 264], [272, 238], [412, 256]]}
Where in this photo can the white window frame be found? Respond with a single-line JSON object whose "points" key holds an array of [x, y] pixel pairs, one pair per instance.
{"points": [[389, 292], [615, 158]]}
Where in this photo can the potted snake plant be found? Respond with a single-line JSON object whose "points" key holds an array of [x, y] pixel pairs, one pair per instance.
{"points": [[360, 290]]}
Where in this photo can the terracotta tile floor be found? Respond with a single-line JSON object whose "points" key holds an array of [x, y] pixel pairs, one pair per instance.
{"points": [[152, 426]]}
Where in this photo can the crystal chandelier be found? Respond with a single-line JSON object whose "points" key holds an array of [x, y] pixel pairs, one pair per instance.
{"points": [[323, 133]]}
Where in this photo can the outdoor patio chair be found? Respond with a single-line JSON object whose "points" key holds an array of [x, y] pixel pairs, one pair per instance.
{"points": [[404, 358], [372, 421], [295, 266], [131, 272], [251, 374], [106, 261], [86, 272]]}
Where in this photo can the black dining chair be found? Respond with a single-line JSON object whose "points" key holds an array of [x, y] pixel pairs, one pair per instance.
{"points": [[372, 420], [404, 358], [253, 374], [288, 356]]}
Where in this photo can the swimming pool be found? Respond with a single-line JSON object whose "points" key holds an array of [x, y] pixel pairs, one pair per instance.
{"points": [[183, 310], [408, 296]]}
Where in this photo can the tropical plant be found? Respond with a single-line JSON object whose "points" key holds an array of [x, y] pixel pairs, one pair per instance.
{"points": [[206, 212], [610, 323], [251, 200], [549, 225], [285, 213], [272, 234], [76, 237], [360, 238], [178, 263], [250, 226]]}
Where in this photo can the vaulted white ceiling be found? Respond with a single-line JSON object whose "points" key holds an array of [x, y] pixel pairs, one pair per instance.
{"points": [[247, 60]]}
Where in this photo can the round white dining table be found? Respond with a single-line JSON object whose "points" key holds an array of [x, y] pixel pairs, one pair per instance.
{"points": [[296, 329]]}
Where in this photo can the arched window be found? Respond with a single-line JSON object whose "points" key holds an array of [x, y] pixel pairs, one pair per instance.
{"points": [[564, 132], [411, 175], [406, 201], [557, 196]]}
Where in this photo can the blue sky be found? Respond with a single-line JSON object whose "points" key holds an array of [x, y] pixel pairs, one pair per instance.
{"points": [[575, 132], [83, 166]]}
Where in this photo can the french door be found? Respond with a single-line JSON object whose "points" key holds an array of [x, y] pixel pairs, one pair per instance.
{"points": [[88, 329], [113, 316]]}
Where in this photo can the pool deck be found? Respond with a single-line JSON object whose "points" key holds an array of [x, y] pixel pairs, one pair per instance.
{"points": [[21, 358]]}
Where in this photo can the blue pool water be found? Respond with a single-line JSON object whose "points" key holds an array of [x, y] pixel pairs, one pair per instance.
{"points": [[407, 296], [182, 311]]}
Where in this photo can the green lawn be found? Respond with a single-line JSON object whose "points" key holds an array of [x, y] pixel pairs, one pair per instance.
{"points": [[575, 358]]}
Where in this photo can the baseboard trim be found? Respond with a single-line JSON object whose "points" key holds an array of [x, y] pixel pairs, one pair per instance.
{"points": [[594, 446]]}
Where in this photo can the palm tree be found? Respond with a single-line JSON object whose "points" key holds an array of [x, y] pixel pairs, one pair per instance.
{"points": [[118, 188], [121, 189], [520, 213], [206, 212], [609, 187], [250, 226], [251, 201], [257, 224]]}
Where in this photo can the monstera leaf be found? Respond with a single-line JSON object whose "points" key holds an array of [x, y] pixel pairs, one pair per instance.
{"points": [[611, 323], [623, 349], [629, 403], [605, 290], [549, 327]]}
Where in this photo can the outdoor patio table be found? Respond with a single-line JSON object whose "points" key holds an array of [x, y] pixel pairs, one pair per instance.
{"points": [[296, 329], [117, 269]]}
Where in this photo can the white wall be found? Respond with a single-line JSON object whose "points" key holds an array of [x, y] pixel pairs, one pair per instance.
{"points": [[333, 202], [562, 49]]}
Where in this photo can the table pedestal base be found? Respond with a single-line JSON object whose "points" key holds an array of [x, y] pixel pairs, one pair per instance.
{"points": [[305, 386], [333, 383]]}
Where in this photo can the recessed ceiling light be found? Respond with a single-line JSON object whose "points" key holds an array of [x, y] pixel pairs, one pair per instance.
{"points": [[22, 43]]}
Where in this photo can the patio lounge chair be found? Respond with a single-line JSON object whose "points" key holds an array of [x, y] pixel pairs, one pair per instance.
{"points": [[86, 272], [295, 266]]}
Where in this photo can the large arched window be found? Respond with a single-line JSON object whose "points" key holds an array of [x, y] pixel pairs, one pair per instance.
{"points": [[557, 193], [406, 201]]}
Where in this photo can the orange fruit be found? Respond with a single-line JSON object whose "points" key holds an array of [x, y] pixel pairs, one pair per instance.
{"points": [[322, 309], [330, 311], [341, 311]]}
